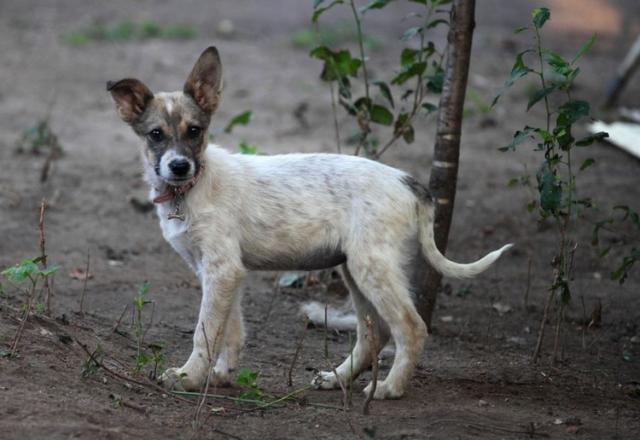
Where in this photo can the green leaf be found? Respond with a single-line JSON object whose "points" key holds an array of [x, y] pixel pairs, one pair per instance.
{"points": [[384, 91], [549, 188], [247, 378], [574, 111], [407, 57], [381, 115], [410, 33], [25, 269], [518, 70], [540, 94], [520, 29], [585, 47], [540, 17], [47, 271], [435, 80], [587, 163], [428, 107], [592, 138], [375, 4], [317, 3], [246, 148], [241, 119], [518, 138], [415, 70], [319, 11]]}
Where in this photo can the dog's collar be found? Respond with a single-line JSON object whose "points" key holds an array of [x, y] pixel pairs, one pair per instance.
{"points": [[171, 192]]}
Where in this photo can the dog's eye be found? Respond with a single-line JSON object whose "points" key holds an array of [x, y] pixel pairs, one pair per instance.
{"points": [[193, 131], [156, 135]]}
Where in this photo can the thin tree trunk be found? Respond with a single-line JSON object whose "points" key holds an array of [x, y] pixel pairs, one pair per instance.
{"points": [[444, 172]]}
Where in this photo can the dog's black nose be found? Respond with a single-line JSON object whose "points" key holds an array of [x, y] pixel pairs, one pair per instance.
{"points": [[179, 167]]}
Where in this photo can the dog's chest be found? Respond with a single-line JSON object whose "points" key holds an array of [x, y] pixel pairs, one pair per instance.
{"points": [[176, 232]]}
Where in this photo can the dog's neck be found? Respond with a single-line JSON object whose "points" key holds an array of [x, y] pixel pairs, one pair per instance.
{"points": [[170, 192]]}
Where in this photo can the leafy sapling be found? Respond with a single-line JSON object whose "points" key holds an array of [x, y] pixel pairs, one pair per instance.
{"points": [[30, 273], [421, 67], [140, 329], [555, 180], [248, 381]]}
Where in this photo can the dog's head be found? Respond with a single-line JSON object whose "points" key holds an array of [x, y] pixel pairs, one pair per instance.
{"points": [[173, 125]]}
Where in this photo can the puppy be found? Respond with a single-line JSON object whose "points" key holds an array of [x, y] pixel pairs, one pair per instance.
{"points": [[227, 213]]}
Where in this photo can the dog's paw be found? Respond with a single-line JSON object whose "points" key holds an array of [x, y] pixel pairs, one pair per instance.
{"points": [[383, 391], [171, 379], [325, 380]]}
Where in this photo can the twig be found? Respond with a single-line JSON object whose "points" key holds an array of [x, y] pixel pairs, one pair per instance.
{"points": [[584, 323], [212, 357], [526, 292], [297, 352], [373, 347], [84, 287], [43, 256], [125, 378], [335, 117], [333, 369], [274, 295], [545, 316], [18, 336], [117, 323]]}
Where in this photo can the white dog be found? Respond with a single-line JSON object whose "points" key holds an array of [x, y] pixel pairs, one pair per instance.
{"points": [[228, 213]]}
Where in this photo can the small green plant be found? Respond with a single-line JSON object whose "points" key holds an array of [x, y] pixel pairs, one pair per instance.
{"points": [[421, 67], [555, 180], [39, 139], [29, 272], [128, 30], [92, 365], [140, 329], [332, 35], [248, 381]]}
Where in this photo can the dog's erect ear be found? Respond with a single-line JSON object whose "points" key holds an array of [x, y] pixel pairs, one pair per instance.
{"points": [[205, 81], [131, 97]]}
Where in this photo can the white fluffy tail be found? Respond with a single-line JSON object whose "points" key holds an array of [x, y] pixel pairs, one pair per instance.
{"points": [[440, 262], [337, 319]]}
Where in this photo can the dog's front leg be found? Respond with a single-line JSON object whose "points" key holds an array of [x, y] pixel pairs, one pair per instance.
{"points": [[221, 277]]}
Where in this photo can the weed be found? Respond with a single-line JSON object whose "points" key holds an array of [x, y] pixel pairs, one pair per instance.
{"points": [[92, 365], [248, 381], [29, 272], [140, 329], [386, 108], [340, 34], [557, 197]]}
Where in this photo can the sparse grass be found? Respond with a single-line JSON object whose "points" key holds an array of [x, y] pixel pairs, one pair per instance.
{"points": [[127, 30]]}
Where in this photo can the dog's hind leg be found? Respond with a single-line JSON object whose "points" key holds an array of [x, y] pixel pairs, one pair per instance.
{"points": [[361, 356], [383, 282]]}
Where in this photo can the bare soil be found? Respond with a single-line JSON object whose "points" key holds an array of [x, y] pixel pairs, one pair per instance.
{"points": [[475, 378]]}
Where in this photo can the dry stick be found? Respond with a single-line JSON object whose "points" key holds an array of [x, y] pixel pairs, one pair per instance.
{"points": [[84, 287], [112, 373], [556, 338], [526, 292], [117, 323], [545, 316], [584, 323], [297, 352], [333, 369], [373, 340], [275, 293], [18, 336], [335, 117], [43, 256], [211, 357]]}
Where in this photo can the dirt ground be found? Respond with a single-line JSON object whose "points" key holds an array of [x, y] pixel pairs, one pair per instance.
{"points": [[475, 379]]}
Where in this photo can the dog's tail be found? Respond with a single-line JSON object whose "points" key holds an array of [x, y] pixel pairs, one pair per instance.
{"points": [[439, 262]]}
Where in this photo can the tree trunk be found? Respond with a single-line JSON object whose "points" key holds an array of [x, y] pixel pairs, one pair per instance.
{"points": [[444, 172]]}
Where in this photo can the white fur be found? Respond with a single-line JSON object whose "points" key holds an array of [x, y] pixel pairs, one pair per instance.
{"points": [[284, 209]]}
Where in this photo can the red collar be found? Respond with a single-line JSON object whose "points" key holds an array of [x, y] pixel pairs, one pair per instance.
{"points": [[171, 192]]}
